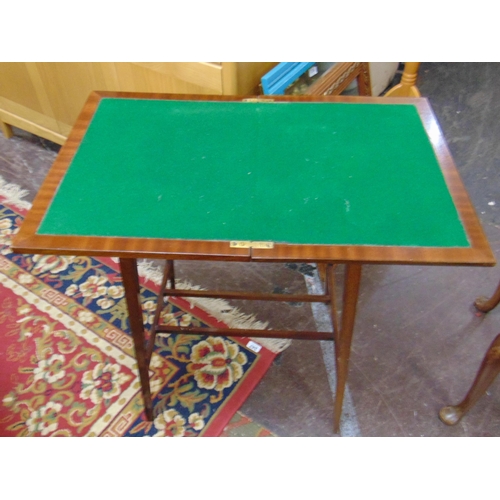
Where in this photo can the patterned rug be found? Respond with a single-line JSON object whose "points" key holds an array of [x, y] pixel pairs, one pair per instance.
{"points": [[67, 365]]}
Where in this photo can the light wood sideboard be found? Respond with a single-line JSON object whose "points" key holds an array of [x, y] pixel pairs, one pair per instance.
{"points": [[46, 98]]}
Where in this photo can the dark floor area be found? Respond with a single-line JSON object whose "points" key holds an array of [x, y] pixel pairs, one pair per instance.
{"points": [[418, 341]]}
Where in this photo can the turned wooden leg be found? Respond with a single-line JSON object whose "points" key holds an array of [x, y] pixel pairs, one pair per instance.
{"points": [[131, 285], [343, 338], [485, 305], [407, 87], [6, 129], [489, 369]]}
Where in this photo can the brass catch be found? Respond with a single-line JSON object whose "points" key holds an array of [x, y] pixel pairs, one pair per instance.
{"points": [[251, 244]]}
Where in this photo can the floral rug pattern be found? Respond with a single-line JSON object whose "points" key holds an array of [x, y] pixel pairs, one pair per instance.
{"points": [[67, 365]]}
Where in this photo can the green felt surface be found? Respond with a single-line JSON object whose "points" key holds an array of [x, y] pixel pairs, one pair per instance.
{"points": [[312, 173]]}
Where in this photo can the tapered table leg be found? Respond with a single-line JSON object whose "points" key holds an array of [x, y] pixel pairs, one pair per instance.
{"points": [[352, 282], [485, 305], [131, 285], [171, 273], [489, 369], [331, 290]]}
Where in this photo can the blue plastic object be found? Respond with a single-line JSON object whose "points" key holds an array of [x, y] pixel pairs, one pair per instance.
{"points": [[279, 78]]}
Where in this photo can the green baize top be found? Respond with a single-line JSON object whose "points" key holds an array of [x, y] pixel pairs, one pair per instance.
{"points": [[290, 172]]}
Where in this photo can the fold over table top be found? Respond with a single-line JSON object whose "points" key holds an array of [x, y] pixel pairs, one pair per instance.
{"points": [[365, 179]]}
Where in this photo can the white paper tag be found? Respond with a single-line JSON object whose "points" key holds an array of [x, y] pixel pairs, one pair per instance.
{"points": [[254, 346], [313, 70]]}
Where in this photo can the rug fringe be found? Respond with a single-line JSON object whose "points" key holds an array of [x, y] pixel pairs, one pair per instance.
{"points": [[14, 194], [218, 308]]}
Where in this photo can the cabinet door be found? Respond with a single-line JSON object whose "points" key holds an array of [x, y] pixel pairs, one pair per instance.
{"points": [[24, 102]]}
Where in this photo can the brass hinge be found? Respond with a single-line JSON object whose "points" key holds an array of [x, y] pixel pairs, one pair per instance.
{"points": [[257, 99], [251, 244]]}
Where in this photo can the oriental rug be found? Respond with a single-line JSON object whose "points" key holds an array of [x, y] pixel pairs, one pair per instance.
{"points": [[67, 365]]}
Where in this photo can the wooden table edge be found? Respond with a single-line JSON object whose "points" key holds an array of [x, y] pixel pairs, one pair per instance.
{"points": [[27, 241], [221, 250]]}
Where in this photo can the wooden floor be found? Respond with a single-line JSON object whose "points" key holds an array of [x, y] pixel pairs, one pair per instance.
{"points": [[418, 342]]}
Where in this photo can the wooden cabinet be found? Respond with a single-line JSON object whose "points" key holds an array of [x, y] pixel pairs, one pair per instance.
{"points": [[45, 98]]}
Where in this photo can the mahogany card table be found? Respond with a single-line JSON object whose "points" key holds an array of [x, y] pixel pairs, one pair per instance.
{"points": [[329, 180]]}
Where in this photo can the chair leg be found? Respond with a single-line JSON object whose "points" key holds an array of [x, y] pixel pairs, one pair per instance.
{"points": [[489, 369], [407, 87], [485, 305]]}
